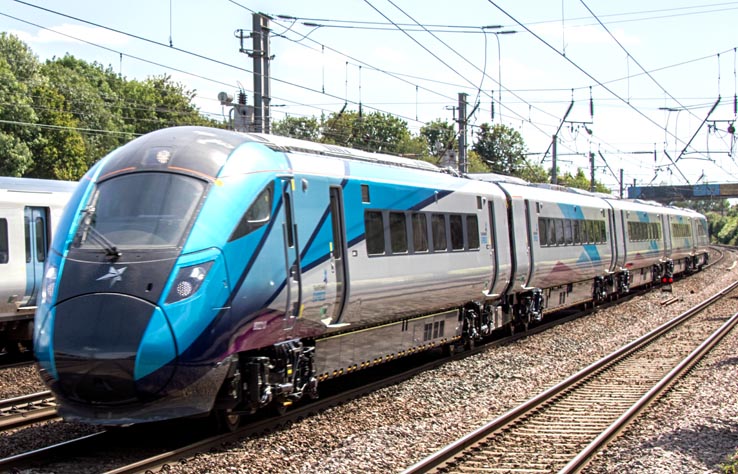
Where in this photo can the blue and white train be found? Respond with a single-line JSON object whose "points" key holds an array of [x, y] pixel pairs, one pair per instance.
{"points": [[29, 209], [199, 270]]}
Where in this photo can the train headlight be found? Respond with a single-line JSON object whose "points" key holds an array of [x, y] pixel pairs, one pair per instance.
{"points": [[49, 284], [188, 281]]}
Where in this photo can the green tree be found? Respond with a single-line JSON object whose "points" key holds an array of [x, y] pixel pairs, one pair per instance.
{"points": [[59, 151], [439, 136], [90, 95], [18, 73], [158, 102], [376, 132], [502, 148], [304, 128], [581, 181]]}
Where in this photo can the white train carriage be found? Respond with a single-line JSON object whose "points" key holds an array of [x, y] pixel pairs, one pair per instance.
{"points": [[563, 250], [640, 251], [701, 239], [29, 211], [681, 242]]}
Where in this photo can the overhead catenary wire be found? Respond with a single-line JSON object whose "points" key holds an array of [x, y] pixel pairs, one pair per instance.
{"points": [[492, 2]]}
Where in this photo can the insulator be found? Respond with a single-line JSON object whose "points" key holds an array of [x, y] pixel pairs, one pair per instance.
{"points": [[242, 98]]}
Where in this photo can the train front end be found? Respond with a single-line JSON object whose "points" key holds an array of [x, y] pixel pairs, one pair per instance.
{"points": [[135, 280]]}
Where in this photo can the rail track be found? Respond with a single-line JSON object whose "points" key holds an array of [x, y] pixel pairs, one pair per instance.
{"points": [[136, 450], [561, 429], [25, 410]]}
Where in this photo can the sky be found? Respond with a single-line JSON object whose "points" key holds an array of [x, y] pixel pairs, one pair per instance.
{"points": [[654, 82]]}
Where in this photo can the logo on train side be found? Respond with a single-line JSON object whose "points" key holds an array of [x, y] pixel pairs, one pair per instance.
{"points": [[114, 275]]}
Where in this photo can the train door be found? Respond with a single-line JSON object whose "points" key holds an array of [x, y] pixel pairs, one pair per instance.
{"points": [[339, 263], [615, 244], [291, 256], [36, 234]]}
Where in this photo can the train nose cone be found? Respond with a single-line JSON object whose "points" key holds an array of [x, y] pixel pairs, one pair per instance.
{"points": [[99, 343]]}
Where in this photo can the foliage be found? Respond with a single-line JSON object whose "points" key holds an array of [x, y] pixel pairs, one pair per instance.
{"points": [[439, 136], [723, 226], [375, 132], [60, 117], [581, 181], [304, 128], [730, 466], [501, 147], [706, 205]]}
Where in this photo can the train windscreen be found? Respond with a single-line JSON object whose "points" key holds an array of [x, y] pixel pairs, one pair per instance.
{"points": [[140, 210]]}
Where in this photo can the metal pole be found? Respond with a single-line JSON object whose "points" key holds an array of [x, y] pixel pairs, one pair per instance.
{"points": [[554, 179], [258, 73], [267, 78], [591, 171], [462, 132], [499, 76]]}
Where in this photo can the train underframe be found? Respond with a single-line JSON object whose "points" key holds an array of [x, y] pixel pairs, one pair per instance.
{"points": [[282, 374]]}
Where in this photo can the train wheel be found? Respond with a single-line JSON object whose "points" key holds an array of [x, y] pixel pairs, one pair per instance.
{"points": [[226, 421]]}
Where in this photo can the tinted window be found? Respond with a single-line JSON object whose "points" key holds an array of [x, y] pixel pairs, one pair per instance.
{"points": [[398, 232], [27, 235], [438, 223], [374, 225], [40, 239], [457, 232], [559, 231], [543, 231], [141, 210], [420, 233], [257, 215], [568, 239], [3, 241], [472, 231]]}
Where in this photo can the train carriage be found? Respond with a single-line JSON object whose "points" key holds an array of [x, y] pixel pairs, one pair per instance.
{"points": [[641, 248], [29, 211], [205, 271]]}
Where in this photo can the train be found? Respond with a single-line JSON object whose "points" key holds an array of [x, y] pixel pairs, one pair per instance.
{"points": [[29, 210], [204, 272]]}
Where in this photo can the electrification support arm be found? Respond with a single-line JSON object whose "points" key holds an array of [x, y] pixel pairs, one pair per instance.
{"points": [[696, 132]]}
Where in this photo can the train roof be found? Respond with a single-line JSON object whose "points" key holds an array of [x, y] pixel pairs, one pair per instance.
{"points": [[33, 185], [294, 145]]}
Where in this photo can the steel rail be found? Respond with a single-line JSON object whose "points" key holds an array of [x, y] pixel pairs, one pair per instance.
{"points": [[449, 452]]}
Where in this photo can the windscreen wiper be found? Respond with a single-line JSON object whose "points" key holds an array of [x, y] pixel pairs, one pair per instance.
{"points": [[111, 250]]}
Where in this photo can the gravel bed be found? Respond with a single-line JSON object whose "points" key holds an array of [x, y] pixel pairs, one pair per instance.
{"points": [[392, 428], [20, 381]]}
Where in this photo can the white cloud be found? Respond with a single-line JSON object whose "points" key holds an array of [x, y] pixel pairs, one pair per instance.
{"points": [[67, 33]]}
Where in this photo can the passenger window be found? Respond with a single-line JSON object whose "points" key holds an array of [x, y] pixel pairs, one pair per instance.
{"points": [[40, 240], [27, 233], [543, 231], [420, 232], [472, 232], [4, 247], [551, 232], [438, 224], [575, 231], [591, 232], [559, 231], [374, 228], [257, 215], [457, 232], [582, 232], [567, 232], [398, 232]]}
